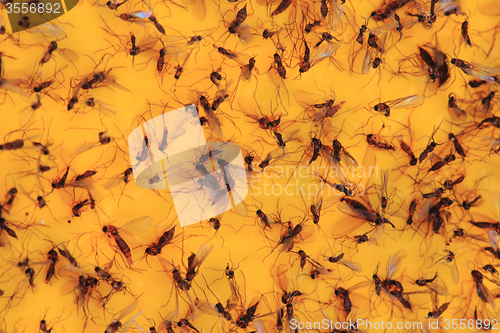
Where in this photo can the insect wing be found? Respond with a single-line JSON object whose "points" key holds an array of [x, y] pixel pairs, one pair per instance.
{"points": [[232, 302], [348, 159], [486, 295], [361, 213], [206, 307], [383, 29], [457, 113], [376, 235], [437, 288], [322, 269], [202, 254], [318, 201], [336, 13], [394, 262], [304, 99], [244, 32], [477, 237], [138, 225], [423, 210], [147, 44], [454, 272], [125, 312], [406, 101], [385, 181], [446, 6], [483, 72], [199, 9], [281, 278], [166, 320], [351, 18], [326, 51], [290, 136], [493, 236], [259, 326], [351, 265], [370, 54], [69, 55], [142, 14], [249, 107]]}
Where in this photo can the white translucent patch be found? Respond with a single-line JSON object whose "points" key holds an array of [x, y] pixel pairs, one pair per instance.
{"points": [[204, 181]]}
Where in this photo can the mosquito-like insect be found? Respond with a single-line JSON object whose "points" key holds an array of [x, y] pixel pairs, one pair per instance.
{"points": [[404, 102], [133, 227]]}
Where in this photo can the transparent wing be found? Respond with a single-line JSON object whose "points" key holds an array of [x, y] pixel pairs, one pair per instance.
{"points": [[202, 254], [206, 307], [325, 52], [406, 101], [487, 295], [493, 236], [394, 262], [138, 225]]}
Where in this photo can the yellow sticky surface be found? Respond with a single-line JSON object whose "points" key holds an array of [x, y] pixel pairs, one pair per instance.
{"points": [[92, 38]]}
